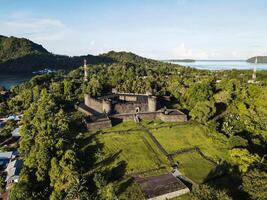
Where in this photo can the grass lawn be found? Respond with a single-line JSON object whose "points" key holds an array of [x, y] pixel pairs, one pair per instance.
{"points": [[188, 136], [158, 123], [193, 166], [128, 125], [135, 148], [183, 197]]}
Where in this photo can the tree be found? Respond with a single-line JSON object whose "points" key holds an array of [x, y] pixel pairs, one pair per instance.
{"points": [[254, 182], [78, 191], [243, 158], [204, 192], [2, 184], [199, 92], [222, 97], [231, 124], [237, 141], [105, 191], [202, 111]]}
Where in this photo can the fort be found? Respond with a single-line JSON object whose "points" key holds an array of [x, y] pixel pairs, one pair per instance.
{"points": [[102, 111]]}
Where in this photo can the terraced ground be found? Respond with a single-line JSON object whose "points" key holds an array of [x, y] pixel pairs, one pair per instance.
{"points": [[191, 135], [136, 149], [127, 146], [193, 166]]}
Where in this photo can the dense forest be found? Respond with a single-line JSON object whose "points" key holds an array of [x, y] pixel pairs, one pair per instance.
{"points": [[60, 163], [23, 55]]}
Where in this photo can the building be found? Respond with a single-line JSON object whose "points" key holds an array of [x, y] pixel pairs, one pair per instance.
{"points": [[6, 157], [102, 111], [13, 169], [162, 187]]}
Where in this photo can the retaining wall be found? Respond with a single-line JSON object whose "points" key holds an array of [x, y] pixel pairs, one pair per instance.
{"points": [[99, 124], [172, 118], [93, 103], [171, 195]]}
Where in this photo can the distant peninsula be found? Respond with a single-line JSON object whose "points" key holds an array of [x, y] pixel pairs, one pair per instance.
{"points": [[180, 60], [261, 59]]}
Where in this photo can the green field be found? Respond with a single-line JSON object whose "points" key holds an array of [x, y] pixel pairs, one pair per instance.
{"points": [[135, 148], [127, 143], [188, 136], [193, 166]]}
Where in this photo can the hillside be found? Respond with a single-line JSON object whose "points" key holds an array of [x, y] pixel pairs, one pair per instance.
{"points": [[132, 59], [261, 59], [13, 48], [23, 55], [126, 57]]}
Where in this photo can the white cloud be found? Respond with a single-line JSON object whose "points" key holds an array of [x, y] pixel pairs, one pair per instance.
{"points": [[53, 34], [92, 43], [182, 52]]}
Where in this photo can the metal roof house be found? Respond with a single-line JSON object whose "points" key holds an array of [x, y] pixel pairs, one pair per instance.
{"points": [[13, 169], [5, 157]]}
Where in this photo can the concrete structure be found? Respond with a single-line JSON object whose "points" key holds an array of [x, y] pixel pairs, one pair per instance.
{"points": [[162, 187], [5, 157], [85, 71], [103, 110], [254, 75], [13, 169]]}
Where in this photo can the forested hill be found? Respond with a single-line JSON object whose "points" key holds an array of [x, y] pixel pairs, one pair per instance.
{"points": [[23, 55], [12, 48], [128, 58], [261, 59]]}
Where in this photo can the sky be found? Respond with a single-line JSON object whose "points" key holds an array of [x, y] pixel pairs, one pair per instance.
{"points": [[159, 29]]}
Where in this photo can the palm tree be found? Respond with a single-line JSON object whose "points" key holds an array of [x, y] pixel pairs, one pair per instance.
{"points": [[78, 191]]}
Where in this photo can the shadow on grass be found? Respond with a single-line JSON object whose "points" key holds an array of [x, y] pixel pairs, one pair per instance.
{"points": [[124, 185], [116, 121], [227, 177]]}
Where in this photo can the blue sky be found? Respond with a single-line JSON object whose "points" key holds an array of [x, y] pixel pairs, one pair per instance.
{"points": [[160, 29]]}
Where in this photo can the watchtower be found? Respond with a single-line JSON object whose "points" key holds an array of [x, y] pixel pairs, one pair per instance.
{"points": [[254, 76], [85, 71]]}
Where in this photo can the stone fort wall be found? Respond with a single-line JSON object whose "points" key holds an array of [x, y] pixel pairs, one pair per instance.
{"points": [[106, 123], [93, 103], [172, 118], [130, 107]]}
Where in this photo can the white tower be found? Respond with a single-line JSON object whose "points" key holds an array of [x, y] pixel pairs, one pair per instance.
{"points": [[85, 71], [255, 70]]}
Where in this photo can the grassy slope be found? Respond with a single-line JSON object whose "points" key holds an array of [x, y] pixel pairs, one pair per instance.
{"points": [[140, 153], [135, 148], [193, 166], [188, 136]]}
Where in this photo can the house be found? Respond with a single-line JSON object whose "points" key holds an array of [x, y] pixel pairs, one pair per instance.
{"points": [[13, 169], [15, 136], [15, 132], [2, 123], [5, 158]]}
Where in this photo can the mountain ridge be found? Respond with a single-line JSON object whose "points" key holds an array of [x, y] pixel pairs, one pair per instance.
{"points": [[23, 55]]}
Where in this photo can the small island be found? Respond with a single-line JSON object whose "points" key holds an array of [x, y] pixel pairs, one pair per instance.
{"points": [[261, 59]]}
